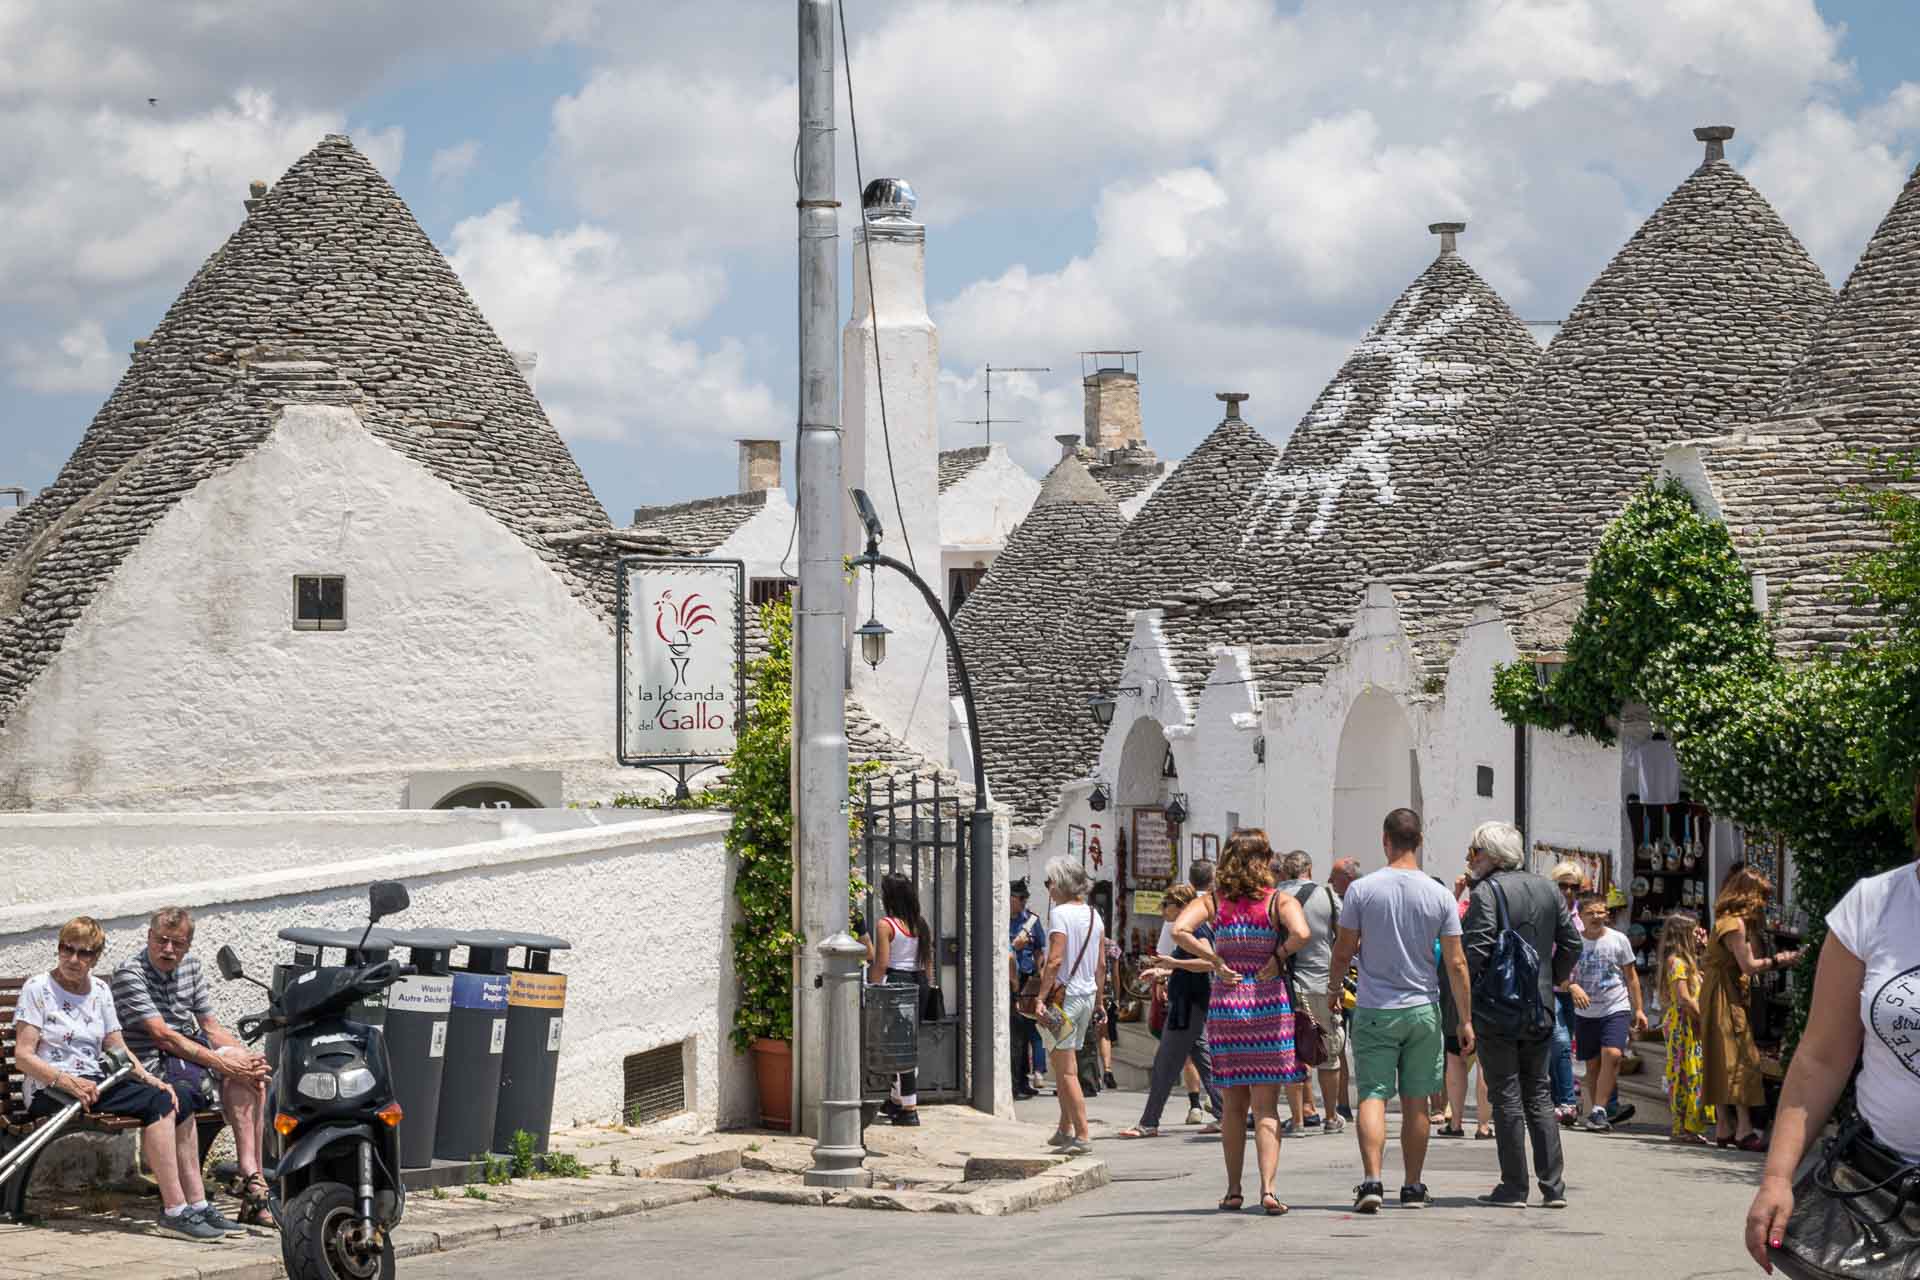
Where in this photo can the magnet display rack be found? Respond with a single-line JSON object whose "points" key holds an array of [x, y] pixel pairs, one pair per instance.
{"points": [[1672, 854]]}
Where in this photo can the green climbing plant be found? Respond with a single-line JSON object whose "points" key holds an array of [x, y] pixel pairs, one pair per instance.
{"points": [[1822, 752], [757, 790]]}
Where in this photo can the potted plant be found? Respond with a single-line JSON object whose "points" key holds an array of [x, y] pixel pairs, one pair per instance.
{"points": [[760, 841]]}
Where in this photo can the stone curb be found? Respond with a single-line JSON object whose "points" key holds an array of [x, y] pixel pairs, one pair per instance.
{"points": [[1063, 1180], [505, 1223]]}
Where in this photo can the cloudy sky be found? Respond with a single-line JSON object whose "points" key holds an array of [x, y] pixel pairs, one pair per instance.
{"points": [[1237, 187]]}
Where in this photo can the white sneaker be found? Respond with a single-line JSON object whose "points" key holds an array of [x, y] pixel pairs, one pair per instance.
{"points": [[1197, 1115], [1597, 1121], [1077, 1147]]}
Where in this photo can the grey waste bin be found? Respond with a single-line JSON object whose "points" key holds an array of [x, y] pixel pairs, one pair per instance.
{"points": [[476, 1041], [888, 1039], [536, 1007], [418, 1007]]}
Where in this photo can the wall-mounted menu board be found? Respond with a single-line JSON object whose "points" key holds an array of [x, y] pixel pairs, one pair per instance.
{"points": [[1152, 845]]}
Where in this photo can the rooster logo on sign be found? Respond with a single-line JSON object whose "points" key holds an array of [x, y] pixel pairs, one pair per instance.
{"points": [[677, 625]]}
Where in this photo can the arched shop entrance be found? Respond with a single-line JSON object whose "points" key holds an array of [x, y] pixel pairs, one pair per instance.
{"points": [[1376, 771], [1143, 849]]}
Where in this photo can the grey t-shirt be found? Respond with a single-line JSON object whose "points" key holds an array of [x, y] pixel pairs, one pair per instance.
{"points": [[1313, 961], [1399, 915]]}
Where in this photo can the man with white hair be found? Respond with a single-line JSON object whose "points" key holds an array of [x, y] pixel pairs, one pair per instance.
{"points": [[1515, 917]]}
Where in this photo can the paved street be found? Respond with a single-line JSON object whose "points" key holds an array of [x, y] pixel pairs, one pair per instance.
{"points": [[1642, 1206]]}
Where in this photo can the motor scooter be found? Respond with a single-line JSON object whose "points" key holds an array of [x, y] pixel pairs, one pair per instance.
{"points": [[336, 1188]]}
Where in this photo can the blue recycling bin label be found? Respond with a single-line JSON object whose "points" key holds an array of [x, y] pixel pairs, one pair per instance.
{"points": [[486, 991]]}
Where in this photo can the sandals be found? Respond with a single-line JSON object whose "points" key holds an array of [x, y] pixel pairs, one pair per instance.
{"points": [[256, 1209], [1481, 1135], [1450, 1131], [1211, 1126], [1270, 1203], [1232, 1202], [1138, 1131], [1755, 1141]]}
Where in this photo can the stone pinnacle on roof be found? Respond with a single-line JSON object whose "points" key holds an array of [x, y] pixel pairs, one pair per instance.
{"points": [[1716, 137], [1447, 231], [1233, 401]]}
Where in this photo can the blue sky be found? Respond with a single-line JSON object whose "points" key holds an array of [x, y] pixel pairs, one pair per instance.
{"points": [[1239, 188]]}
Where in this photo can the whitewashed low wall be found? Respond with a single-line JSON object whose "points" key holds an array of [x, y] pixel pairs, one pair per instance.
{"points": [[647, 903]]}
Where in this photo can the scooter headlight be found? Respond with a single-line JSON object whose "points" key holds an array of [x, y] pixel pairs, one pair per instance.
{"points": [[355, 1081], [319, 1085]]}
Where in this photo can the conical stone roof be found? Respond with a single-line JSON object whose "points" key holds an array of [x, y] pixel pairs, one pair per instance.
{"points": [[1353, 495], [1691, 330], [329, 290], [1009, 630], [1864, 363]]}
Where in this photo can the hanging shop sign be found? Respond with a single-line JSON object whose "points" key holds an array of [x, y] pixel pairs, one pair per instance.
{"points": [[681, 657]]}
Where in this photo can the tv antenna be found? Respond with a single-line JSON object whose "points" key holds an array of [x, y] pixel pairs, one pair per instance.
{"points": [[989, 420]]}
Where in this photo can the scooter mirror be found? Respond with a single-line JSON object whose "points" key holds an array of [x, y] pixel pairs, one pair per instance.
{"points": [[230, 965], [385, 897]]}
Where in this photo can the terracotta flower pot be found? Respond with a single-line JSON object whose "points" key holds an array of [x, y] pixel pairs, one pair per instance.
{"points": [[773, 1069]]}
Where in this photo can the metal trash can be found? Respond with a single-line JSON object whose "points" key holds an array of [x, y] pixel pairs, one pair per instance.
{"points": [[475, 1050], [418, 1009], [536, 1005], [888, 1040]]}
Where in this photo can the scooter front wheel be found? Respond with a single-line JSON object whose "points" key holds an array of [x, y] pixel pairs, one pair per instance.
{"points": [[316, 1238]]}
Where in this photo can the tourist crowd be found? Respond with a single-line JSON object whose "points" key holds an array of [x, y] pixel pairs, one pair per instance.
{"points": [[1394, 986]]}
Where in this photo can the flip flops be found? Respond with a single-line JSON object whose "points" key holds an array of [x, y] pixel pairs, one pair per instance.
{"points": [[1137, 1131]]}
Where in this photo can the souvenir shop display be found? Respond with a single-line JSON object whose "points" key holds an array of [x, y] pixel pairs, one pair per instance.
{"points": [[1672, 851]]}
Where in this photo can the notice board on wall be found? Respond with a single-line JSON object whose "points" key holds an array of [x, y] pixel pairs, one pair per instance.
{"points": [[1153, 844]]}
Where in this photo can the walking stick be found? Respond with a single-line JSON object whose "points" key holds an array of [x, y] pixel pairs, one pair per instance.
{"points": [[18, 1158]]}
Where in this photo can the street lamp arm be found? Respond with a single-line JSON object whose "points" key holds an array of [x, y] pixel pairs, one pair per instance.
{"points": [[872, 557]]}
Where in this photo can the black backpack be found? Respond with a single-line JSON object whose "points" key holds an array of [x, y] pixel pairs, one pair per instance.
{"points": [[1506, 994]]}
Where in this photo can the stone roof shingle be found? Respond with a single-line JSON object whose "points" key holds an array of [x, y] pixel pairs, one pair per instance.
{"points": [[700, 526]]}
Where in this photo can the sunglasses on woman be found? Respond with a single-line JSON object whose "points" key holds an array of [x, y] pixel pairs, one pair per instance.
{"points": [[79, 953]]}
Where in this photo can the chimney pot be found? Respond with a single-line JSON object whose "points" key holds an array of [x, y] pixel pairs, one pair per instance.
{"points": [[1715, 136], [759, 465], [1069, 445], [1233, 399], [889, 198], [141, 344], [1446, 231], [256, 190]]}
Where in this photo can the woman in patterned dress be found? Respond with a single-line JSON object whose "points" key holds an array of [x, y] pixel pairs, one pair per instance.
{"points": [[1681, 941], [1250, 1017]]}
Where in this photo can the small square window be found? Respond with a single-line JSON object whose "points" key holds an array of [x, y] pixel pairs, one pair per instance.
{"points": [[1483, 779], [767, 590], [319, 602]]}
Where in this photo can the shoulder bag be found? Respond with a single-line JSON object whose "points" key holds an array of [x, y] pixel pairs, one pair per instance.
{"points": [[1856, 1212], [1052, 1014], [1309, 1038]]}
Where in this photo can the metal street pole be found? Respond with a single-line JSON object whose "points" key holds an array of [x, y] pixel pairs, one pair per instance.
{"points": [[829, 959]]}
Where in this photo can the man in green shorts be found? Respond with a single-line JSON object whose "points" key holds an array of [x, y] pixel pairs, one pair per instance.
{"points": [[1392, 918]]}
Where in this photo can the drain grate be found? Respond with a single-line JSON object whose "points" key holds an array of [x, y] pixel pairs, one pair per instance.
{"points": [[656, 1084]]}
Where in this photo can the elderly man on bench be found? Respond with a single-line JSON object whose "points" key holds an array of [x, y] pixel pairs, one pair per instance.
{"points": [[166, 1012]]}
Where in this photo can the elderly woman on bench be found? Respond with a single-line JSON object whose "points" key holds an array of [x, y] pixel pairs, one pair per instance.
{"points": [[64, 1023]]}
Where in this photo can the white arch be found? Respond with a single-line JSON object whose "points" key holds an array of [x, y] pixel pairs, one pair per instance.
{"points": [[1374, 773]]}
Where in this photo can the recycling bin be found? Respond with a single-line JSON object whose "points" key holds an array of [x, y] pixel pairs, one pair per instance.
{"points": [[536, 1006], [418, 1008], [475, 1050]]}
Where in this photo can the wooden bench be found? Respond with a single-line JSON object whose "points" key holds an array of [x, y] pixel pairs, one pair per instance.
{"points": [[16, 1126]]}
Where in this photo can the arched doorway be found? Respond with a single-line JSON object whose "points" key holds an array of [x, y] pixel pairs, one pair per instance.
{"points": [[1375, 772], [1141, 791]]}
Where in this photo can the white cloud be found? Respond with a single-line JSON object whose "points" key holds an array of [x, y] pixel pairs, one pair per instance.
{"points": [[451, 165], [614, 363], [1823, 170], [78, 360]]}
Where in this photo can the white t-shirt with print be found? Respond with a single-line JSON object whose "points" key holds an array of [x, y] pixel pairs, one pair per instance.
{"points": [[73, 1029], [1598, 974], [1879, 921], [1074, 919]]}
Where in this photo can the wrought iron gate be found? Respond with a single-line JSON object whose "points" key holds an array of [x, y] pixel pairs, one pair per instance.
{"points": [[917, 828]]}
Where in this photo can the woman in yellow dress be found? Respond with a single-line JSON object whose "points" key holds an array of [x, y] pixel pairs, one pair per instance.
{"points": [[1681, 941], [1730, 1060]]}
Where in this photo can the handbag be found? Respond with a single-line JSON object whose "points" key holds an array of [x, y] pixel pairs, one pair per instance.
{"points": [[933, 1006], [1856, 1212], [1309, 1039], [190, 1076]]}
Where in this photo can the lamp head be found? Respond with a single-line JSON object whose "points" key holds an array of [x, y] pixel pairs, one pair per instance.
{"points": [[869, 517], [1101, 704], [873, 635]]}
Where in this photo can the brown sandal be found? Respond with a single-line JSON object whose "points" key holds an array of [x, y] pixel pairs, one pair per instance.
{"points": [[256, 1208], [1272, 1204]]}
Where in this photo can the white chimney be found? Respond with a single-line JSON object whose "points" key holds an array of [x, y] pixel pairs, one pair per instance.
{"points": [[908, 692], [759, 465]]}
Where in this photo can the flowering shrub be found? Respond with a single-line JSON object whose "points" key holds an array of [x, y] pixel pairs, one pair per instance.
{"points": [[1822, 752]]}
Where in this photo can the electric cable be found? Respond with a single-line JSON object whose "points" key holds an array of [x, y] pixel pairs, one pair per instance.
{"points": [[873, 313]]}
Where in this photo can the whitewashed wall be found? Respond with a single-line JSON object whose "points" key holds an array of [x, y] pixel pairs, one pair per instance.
{"points": [[647, 904], [979, 512], [765, 542], [184, 685]]}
